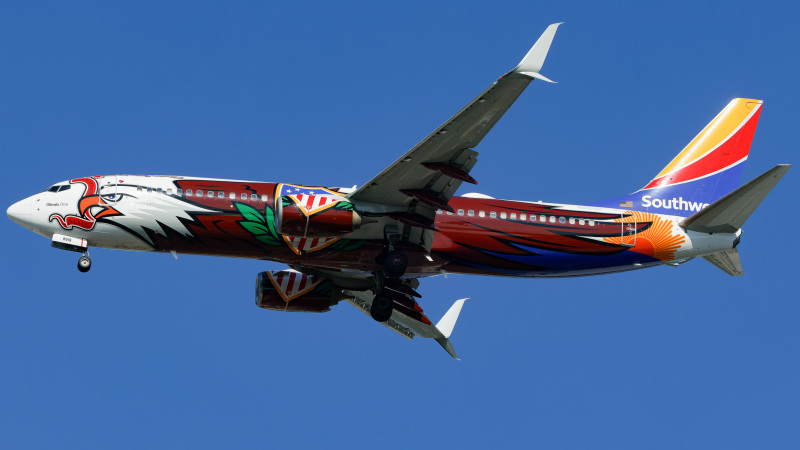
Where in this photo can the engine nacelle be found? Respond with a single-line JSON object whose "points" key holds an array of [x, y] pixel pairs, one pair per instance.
{"points": [[288, 290], [316, 216]]}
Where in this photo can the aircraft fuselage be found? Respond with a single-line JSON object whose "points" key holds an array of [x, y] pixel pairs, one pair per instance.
{"points": [[481, 236]]}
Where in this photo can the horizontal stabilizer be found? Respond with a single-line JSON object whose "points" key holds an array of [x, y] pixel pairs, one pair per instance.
{"points": [[728, 214], [728, 261]]}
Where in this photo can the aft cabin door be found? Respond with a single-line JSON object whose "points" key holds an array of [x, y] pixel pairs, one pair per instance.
{"points": [[628, 231]]}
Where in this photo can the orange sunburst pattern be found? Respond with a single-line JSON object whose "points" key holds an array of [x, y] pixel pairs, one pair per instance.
{"points": [[660, 240]]}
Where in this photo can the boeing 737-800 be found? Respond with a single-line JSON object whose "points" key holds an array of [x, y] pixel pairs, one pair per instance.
{"points": [[370, 246]]}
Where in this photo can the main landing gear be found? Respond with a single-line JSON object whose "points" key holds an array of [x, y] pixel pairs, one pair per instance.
{"points": [[382, 307], [394, 266], [84, 263]]}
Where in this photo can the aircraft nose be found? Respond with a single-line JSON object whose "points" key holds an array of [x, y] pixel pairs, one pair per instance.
{"points": [[20, 212]]}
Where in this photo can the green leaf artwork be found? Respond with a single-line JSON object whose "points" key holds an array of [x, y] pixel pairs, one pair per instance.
{"points": [[261, 227], [346, 245], [344, 206]]}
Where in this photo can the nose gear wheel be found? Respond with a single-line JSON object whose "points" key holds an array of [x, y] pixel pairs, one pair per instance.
{"points": [[84, 263]]}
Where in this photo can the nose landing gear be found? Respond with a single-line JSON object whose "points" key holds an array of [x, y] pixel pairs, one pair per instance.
{"points": [[84, 263]]}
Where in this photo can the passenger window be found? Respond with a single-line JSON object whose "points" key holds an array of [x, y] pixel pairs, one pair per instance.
{"points": [[591, 223], [552, 219], [169, 191], [159, 191], [581, 221], [438, 211], [471, 213], [449, 213], [502, 215], [522, 217], [481, 214], [180, 192], [149, 190], [562, 219], [493, 215], [533, 217], [221, 194], [188, 192], [460, 212], [210, 193], [542, 218], [244, 196], [254, 197], [199, 193], [139, 189], [572, 221], [513, 216]]}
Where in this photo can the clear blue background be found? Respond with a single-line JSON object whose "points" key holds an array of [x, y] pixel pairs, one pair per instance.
{"points": [[148, 352]]}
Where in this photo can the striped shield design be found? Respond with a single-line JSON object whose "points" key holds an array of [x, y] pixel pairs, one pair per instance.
{"points": [[306, 245], [291, 284]]}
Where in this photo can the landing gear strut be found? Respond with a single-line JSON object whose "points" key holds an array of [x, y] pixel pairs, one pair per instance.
{"points": [[395, 263], [84, 263]]}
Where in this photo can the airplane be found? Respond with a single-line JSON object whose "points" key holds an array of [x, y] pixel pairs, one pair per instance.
{"points": [[371, 245]]}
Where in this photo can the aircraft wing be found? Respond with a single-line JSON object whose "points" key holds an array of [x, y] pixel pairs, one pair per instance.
{"points": [[409, 320], [424, 180], [427, 176]]}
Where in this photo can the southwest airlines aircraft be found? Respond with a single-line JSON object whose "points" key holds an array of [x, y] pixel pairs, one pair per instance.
{"points": [[370, 246]]}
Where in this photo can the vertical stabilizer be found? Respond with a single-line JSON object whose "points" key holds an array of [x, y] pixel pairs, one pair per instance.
{"points": [[709, 167]]}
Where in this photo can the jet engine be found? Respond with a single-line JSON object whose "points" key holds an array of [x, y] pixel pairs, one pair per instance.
{"points": [[289, 290], [316, 216]]}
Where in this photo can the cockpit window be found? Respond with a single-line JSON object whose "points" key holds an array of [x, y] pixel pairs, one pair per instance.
{"points": [[58, 187]]}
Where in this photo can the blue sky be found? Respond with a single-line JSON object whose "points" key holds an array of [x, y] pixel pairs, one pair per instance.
{"points": [[148, 352]]}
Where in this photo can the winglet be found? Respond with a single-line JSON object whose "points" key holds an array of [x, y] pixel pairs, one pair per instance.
{"points": [[532, 63], [448, 322], [446, 325]]}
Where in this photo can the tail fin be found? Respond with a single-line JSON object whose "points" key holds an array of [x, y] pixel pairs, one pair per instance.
{"points": [[707, 169]]}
